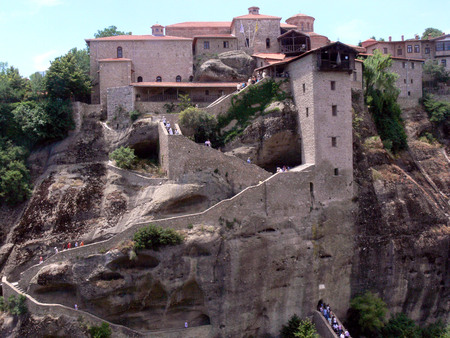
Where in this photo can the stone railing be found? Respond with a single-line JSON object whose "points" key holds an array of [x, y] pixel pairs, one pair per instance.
{"points": [[136, 178]]}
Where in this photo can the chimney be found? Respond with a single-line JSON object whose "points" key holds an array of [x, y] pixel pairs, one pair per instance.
{"points": [[403, 38], [417, 37], [253, 10], [429, 36], [390, 38]]}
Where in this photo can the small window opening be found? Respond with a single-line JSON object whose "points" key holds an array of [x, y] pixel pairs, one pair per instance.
{"points": [[404, 80], [158, 79], [334, 110], [333, 85], [178, 78], [334, 141], [411, 80], [336, 171], [307, 111], [412, 65], [206, 92], [139, 79], [267, 43], [205, 44], [409, 93], [311, 187], [119, 52], [226, 44], [247, 42], [304, 88]]}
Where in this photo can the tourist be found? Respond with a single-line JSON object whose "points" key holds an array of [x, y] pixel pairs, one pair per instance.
{"points": [[76, 307], [41, 260], [279, 171], [170, 131], [76, 244], [69, 245], [56, 250], [82, 243], [238, 87], [177, 132], [208, 143], [168, 125], [249, 160], [164, 120], [185, 325]]}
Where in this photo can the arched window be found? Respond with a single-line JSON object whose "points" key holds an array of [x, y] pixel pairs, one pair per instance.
{"points": [[139, 79], [191, 78], [307, 25], [119, 52], [158, 79], [267, 43], [247, 42], [178, 78]]}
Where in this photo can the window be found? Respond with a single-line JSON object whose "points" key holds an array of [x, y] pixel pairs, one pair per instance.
{"points": [[404, 64], [303, 26], [404, 80], [412, 65], [158, 79], [427, 50], [205, 44], [416, 49], [139, 79], [333, 85], [267, 43], [334, 110], [334, 141], [178, 78], [409, 48], [444, 62], [119, 52], [307, 25], [206, 92], [411, 80], [336, 171], [439, 46], [191, 78], [355, 76], [247, 42], [399, 51], [409, 93], [226, 44], [307, 111], [385, 51], [304, 88]]}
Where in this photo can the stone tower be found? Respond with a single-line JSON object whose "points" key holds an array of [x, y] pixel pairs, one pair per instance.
{"points": [[305, 23], [157, 30]]}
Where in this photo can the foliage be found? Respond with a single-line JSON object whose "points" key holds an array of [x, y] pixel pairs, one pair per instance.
{"points": [[14, 176], [134, 115], [124, 157], [244, 106], [435, 330], [368, 313], [13, 87], [288, 331], [400, 326], [436, 72], [434, 32], [153, 237], [102, 331], [15, 306], [169, 107], [306, 329], [185, 102], [68, 77], [438, 111], [109, 31], [37, 85], [200, 122], [381, 96]]}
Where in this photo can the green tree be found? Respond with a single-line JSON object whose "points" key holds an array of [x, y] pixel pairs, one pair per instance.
{"points": [[367, 314], [13, 86], [381, 95], [68, 77], [434, 32], [400, 326], [102, 331], [435, 72], [185, 102], [200, 122], [288, 331], [306, 329], [124, 157], [110, 31], [153, 237], [37, 85]]}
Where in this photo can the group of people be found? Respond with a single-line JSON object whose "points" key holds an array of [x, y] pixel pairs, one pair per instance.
{"points": [[283, 169], [332, 320], [251, 80], [169, 129], [69, 246]]}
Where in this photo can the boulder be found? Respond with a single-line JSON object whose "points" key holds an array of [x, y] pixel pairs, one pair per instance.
{"points": [[215, 70], [238, 60]]}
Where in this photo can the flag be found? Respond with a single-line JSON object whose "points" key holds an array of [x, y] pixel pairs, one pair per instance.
{"points": [[256, 27], [242, 28]]}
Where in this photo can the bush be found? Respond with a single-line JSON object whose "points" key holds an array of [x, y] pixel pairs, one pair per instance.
{"points": [[288, 331], [15, 306], [124, 157], [367, 314], [438, 111], [299, 328], [200, 122], [102, 331], [400, 326], [153, 237], [134, 115]]}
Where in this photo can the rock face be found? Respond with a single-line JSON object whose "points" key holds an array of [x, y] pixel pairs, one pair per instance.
{"points": [[231, 66], [271, 140]]}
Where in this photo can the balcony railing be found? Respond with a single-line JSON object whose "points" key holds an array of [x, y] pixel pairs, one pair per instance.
{"points": [[333, 65], [292, 49], [175, 98]]}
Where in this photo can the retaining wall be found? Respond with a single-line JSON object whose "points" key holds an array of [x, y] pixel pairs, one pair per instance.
{"points": [[136, 178]]}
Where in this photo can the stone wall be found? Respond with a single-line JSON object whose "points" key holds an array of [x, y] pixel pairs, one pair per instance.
{"points": [[267, 29], [189, 31], [113, 74], [150, 107], [410, 78], [323, 328], [120, 103], [215, 45], [180, 156]]}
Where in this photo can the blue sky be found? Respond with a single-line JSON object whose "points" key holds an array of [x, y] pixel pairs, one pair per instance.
{"points": [[35, 32]]}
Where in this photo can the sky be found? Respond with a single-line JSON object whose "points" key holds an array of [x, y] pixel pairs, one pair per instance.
{"points": [[34, 32]]}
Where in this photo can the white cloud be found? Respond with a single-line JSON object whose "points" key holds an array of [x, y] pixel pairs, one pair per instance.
{"points": [[41, 62], [46, 3], [349, 32]]}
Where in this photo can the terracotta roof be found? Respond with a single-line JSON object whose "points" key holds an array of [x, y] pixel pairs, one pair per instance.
{"points": [[301, 15], [137, 38], [286, 25], [186, 84], [215, 36], [157, 25], [292, 31], [114, 59], [358, 48], [191, 24], [273, 56], [256, 16], [396, 58]]}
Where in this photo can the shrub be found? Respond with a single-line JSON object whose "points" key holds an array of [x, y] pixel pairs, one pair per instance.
{"points": [[134, 115], [153, 237], [438, 111], [400, 326], [200, 122], [367, 314], [15, 306], [102, 331], [306, 329], [288, 331], [124, 157]]}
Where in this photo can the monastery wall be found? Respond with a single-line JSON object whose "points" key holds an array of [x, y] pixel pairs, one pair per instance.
{"points": [[214, 45], [267, 29], [113, 74], [120, 103], [410, 78], [190, 32], [318, 41]]}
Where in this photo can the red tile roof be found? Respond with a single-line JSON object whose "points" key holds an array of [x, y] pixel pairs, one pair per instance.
{"points": [[115, 59], [186, 84], [286, 25], [396, 58], [301, 16], [215, 36], [137, 38], [256, 16], [273, 56], [192, 24]]}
